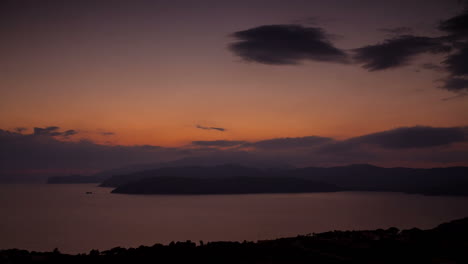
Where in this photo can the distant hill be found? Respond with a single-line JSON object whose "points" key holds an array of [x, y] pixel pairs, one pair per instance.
{"points": [[106, 174], [244, 159], [222, 171], [359, 177]]}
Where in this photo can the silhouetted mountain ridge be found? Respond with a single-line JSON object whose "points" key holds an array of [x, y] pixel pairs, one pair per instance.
{"points": [[223, 171]]}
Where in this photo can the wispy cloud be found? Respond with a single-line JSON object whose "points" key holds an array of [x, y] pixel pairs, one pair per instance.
{"points": [[218, 143], [410, 146], [211, 128], [53, 131]]}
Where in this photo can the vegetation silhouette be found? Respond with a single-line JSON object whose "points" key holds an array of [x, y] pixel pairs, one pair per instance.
{"points": [[447, 243]]}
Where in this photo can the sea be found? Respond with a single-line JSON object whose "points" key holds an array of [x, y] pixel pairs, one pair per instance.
{"points": [[76, 218]]}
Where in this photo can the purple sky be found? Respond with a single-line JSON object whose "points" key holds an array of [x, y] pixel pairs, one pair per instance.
{"points": [[122, 75]]}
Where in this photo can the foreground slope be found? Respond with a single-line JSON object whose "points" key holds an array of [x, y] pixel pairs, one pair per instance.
{"points": [[447, 243]]}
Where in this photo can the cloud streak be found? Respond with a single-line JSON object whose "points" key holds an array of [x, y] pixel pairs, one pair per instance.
{"points": [[414, 137], [53, 131], [218, 143], [397, 52], [457, 63], [288, 143], [457, 26], [210, 128], [401, 146], [397, 30], [42, 150], [417, 137]]}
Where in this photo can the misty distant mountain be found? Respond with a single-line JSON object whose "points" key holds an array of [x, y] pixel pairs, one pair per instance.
{"points": [[240, 158], [222, 171], [360, 177], [106, 174], [118, 175]]}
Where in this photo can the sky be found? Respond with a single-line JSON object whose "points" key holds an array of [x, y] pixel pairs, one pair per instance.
{"points": [[345, 81]]}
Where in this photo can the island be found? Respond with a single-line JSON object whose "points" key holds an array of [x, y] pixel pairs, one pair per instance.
{"points": [[236, 179], [233, 179]]}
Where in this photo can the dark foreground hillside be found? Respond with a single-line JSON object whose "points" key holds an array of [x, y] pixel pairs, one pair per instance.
{"points": [[448, 243]]}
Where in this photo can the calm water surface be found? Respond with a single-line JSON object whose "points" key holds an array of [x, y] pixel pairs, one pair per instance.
{"points": [[43, 217]]}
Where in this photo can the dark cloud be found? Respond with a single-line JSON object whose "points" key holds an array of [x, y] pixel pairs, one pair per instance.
{"points": [[455, 84], [457, 67], [40, 151], [285, 44], [287, 143], [48, 131], [397, 52], [20, 129], [417, 137], [406, 145], [292, 44], [457, 63], [269, 144], [107, 133], [53, 131], [457, 25], [457, 96], [432, 67], [211, 128], [70, 132], [408, 137], [218, 143], [400, 50], [397, 30]]}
